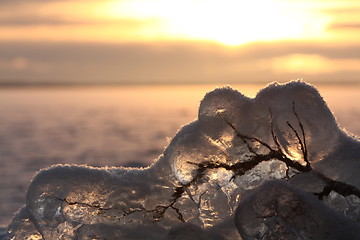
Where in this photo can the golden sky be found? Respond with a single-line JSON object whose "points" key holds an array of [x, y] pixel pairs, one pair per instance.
{"points": [[179, 41]]}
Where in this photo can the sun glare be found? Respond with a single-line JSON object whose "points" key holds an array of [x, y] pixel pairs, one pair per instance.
{"points": [[230, 22]]}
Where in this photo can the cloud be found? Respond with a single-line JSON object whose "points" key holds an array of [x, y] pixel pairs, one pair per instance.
{"points": [[17, 2], [342, 10], [34, 20], [343, 18], [313, 64], [182, 62], [18, 63], [33, 13], [121, 21], [282, 48], [341, 26], [71, 21]]}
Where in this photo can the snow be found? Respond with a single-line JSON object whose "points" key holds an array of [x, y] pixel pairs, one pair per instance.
{"points": [[240, 171]]}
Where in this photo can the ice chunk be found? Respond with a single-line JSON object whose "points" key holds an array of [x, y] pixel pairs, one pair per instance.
{"points": [[346, 205], [277, 210], [187, 231], [237, 144], [23, 227]]}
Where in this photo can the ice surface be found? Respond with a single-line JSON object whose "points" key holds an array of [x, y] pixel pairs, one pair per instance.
{"points": [[273, 167], [276, 210]]}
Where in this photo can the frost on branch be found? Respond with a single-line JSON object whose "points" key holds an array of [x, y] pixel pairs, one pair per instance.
{"points": [[219, 167]]}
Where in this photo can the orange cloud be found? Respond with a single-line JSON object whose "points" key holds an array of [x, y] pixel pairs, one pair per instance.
{"points": [[312, 64]]}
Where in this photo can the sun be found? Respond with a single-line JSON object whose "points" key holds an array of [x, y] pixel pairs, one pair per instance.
{"points": [[230, 22]]}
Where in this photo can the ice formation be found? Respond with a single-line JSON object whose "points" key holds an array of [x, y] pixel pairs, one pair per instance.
{"points": [[273, 167]]}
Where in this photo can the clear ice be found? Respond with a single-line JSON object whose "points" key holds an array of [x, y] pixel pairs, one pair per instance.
{"points": [[276, 166]]}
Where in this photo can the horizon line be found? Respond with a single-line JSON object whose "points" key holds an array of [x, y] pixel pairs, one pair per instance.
{"points": [[11, 84]]}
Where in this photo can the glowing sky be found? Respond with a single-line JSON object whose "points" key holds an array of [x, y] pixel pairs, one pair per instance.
{"points": [[179, 41]]}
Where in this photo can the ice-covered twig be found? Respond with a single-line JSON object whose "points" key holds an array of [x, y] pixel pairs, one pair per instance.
{"points": [[240, 168]]}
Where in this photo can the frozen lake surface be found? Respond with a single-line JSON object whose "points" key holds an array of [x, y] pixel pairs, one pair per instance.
{"points": [[108, 126]]}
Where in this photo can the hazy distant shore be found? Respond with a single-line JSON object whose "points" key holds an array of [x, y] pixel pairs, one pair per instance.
{"points": [[11, 84]]}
